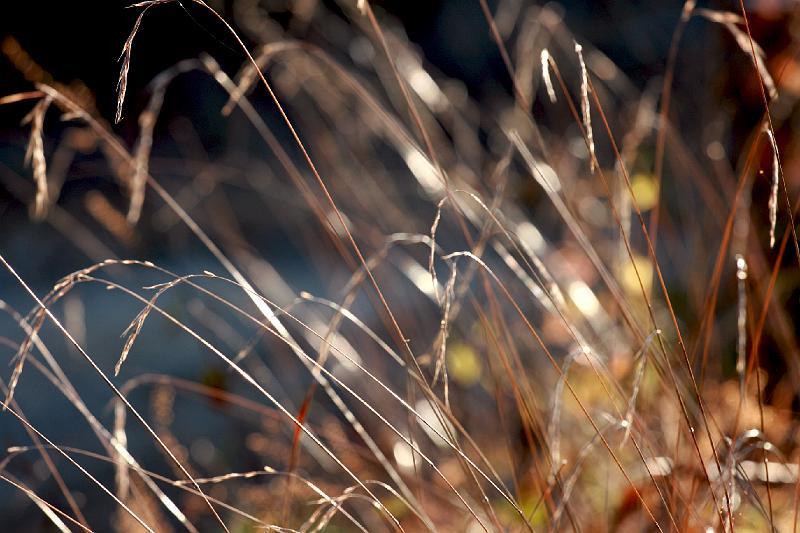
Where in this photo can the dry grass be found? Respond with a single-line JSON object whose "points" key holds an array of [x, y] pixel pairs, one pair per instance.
{"points": [[548, 315]]}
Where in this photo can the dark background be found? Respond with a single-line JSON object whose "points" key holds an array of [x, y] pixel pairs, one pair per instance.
{"points": [[83, 40]]}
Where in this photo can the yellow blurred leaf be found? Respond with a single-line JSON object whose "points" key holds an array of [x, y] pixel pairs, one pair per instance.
{"points": [[645, 190], [463, 365], [630, 282]]}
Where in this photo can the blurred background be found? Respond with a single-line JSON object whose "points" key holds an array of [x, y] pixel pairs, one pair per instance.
{"points": [[217, 168]]}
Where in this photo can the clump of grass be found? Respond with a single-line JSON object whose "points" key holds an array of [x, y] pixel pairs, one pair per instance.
{"points": [[508, 334]]}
